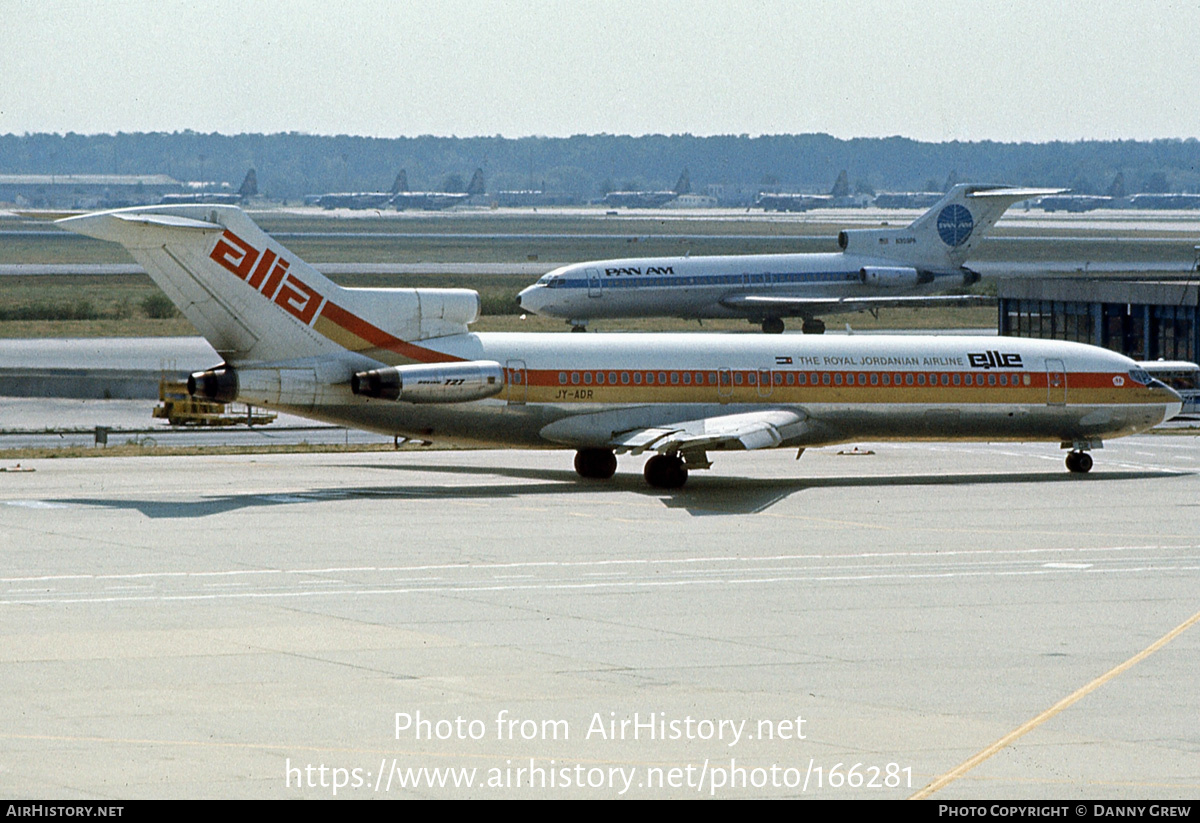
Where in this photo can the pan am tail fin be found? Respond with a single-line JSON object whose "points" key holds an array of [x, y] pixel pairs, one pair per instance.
{"points": [[943, 237]]}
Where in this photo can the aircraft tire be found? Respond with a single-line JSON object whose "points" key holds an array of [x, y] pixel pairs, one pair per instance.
{"points": [[665, 472], [772, 325], [814, 326], [595, 464], [1079, 462]]}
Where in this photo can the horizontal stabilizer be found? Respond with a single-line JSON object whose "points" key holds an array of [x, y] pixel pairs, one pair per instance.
{"points": [[129, 227], [169, 221], [1014, 193]]}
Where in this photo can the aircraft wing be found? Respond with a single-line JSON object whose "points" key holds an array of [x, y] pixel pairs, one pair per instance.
{"points": [[755, 304], [745, 431]]}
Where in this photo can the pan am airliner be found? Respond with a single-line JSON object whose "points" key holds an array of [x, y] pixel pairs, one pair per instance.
{"points": [[877, 268], [402, 362]]}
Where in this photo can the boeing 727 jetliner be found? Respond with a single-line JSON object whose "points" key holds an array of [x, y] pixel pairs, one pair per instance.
{"points": [[402, 362], [877, 268]]}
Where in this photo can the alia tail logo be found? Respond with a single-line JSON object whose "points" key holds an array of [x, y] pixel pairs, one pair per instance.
{"points": [[268, 273], [954, 224]]}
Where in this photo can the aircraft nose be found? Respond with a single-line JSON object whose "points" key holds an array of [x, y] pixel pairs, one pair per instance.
{"points": [[527, 298], [1174, 404]]}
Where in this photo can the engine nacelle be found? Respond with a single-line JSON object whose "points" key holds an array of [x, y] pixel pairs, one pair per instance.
{"points": [[301, 384], [432, 383], [219, 385], [893, 277]]}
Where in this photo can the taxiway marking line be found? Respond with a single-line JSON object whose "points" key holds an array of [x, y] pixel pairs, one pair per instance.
{"points": [[957, 772]]}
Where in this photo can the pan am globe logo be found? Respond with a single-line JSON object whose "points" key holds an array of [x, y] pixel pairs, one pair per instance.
{"points": [[954, 224]]}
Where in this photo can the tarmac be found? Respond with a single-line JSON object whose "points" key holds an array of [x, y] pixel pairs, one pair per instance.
{"points": [[485, 624]]}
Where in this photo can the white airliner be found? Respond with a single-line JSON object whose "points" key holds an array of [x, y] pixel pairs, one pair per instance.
{"points": [[877, 268], [401, 361]]}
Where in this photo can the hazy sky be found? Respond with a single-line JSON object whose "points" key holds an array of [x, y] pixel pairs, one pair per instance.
{"points": [[966, 70]]}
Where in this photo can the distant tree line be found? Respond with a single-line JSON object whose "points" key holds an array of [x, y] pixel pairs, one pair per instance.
{"points": [[291, 165]]}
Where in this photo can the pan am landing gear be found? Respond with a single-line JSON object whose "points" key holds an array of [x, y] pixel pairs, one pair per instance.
{"points": [[1079, 462], [772, 325], [813, 326], [595, 464], [666, 471]]}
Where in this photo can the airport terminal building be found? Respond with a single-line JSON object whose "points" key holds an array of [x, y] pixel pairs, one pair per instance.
{"points": [[85, 191], [1143, 319]]}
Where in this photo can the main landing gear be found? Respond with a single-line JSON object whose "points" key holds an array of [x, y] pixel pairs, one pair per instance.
{"points": [[666, 471], [1079, 462], [811, 325], [772, 325], [663, 471], [595, 464]]}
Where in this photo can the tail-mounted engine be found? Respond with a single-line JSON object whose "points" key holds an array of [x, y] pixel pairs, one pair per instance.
{"points": [[894, 277], [432, 383], [219, 385], [300, 384]]}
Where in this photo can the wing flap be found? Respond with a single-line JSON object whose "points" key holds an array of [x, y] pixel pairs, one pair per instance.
{"points": [[638, 440], [745, 431]]}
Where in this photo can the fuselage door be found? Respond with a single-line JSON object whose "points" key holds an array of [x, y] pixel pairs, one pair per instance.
{"points": [[1056, 383], [517, 383], [765, 385], [593, 277], [724, 385]]}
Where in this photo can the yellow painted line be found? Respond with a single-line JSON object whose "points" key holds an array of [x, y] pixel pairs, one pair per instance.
{"points": [[952, 775]]}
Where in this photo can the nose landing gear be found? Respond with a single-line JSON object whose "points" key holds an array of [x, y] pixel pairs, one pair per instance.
{"points": [[1079, 462]]}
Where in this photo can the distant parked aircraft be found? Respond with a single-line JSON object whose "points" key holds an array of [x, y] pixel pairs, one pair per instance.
{"points": [[877, 268]]}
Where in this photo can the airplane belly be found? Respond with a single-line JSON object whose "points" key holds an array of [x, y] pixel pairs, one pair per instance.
{"points": [[649, 302], [484, 424], [994, 422]]}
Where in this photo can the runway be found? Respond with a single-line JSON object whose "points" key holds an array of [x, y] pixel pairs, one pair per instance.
{"points": [[463, 624]]}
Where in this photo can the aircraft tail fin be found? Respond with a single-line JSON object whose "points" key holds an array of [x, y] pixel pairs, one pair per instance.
{"points": [[477, 185], [401, 182], [255, 301], [684, 184], [943, 237], [249, 187]]}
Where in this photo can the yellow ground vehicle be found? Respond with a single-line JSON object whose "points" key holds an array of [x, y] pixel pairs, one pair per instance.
{"points": [[179, 408]]}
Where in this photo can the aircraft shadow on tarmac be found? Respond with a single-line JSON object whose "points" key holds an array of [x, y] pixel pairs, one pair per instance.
{"points": [[704, 495]]}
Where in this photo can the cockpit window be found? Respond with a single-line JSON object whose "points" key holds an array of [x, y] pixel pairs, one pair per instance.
{"points": [[1141, 376]]}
